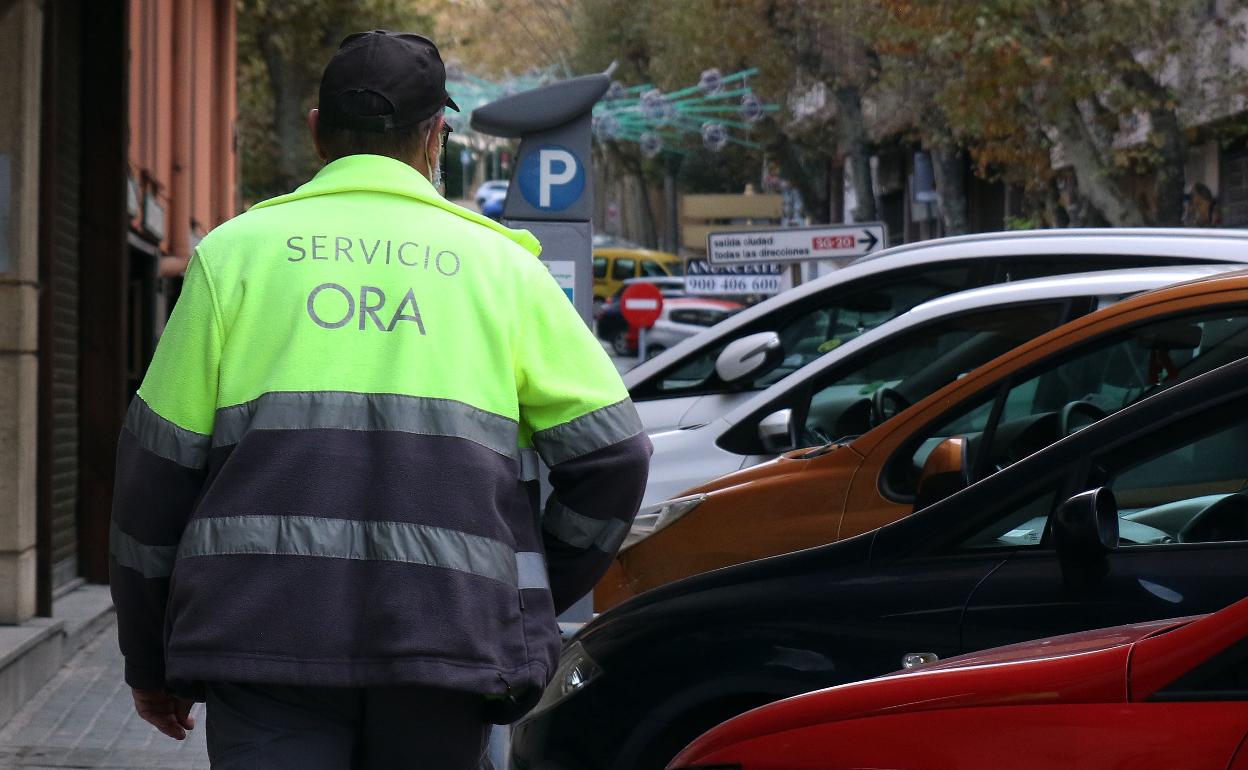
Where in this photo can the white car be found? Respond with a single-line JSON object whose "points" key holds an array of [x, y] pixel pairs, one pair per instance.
{"points": [[871, 376], [686, 385], [683, 317]]}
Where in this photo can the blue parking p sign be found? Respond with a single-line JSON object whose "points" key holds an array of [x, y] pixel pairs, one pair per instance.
{"points": [[551, 178]]}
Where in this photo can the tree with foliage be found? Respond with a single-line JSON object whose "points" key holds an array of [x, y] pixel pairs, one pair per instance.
{"points": [[493, 38], [283, 45], [1103, 86], [815, 59]]}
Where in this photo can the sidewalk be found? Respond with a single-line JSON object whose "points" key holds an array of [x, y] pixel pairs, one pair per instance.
{"points": [[84, 718]]}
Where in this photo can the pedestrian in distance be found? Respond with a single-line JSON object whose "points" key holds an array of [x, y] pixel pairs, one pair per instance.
{"points": [[326, 521]]}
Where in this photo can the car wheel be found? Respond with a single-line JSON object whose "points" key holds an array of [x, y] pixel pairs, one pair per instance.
{"points": [[619, 343]]}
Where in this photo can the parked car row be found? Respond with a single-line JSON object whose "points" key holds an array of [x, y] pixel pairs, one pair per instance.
{"points": [[966, 459]]}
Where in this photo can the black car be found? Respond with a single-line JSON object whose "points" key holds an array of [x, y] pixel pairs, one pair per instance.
{"points": [[1141, 516]]}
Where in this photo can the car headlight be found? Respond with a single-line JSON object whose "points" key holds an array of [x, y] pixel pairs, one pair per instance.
{"points": [[575, 670], [655, 517]]}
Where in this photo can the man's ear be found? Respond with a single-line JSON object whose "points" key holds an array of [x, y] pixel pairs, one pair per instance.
{"points": [[313, 122]]}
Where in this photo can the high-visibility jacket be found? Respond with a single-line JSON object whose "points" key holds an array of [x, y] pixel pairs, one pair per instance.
{"points": [[327, 476]]}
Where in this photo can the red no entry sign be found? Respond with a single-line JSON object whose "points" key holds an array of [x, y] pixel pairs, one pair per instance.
{"points": [[640, 304]]}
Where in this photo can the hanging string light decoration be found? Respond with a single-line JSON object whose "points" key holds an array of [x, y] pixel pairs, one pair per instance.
{"points": [[719, 110], [711, 82], [714, 136], [651, 144]]}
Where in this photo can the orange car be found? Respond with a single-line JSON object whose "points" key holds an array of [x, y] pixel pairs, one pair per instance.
{"points": [[988, 419]]}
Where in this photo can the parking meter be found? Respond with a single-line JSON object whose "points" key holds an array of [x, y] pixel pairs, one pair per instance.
{"points": [[551, 192]]}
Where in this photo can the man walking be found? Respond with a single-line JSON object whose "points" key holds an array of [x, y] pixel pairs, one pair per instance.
{"points": [[325, 522]]}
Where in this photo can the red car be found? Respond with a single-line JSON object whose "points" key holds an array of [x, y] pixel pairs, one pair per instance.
{"points": [[1167, 694]]}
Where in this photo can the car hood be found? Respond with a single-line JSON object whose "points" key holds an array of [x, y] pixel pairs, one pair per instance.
{"points": [[1087, 667], [797, 461], [1056, 646], [721, 598]]}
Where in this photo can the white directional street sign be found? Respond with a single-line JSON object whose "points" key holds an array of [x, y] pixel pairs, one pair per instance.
{"points": [[794, 244]]}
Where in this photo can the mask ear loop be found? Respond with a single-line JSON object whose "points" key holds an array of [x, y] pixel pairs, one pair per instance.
{"points": [[435, 172]]}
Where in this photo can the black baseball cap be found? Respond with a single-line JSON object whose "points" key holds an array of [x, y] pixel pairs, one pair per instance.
{"points": [[400, 76]]}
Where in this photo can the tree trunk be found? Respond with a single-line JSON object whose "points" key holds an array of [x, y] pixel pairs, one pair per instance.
{"points": [[1169, 176], [289, 128], [671, 204], [949, 169], [1093, 172], [649, 234], [836, 191], [1169, 182], [797, 171], [853, 136]]}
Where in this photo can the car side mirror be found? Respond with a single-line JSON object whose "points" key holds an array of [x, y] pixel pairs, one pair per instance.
{"points": [[1085, 527], [751, 355], [776, 431], [945, 472]]}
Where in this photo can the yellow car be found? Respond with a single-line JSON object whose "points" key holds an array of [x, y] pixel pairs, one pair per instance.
{"points": [[613, 265]]}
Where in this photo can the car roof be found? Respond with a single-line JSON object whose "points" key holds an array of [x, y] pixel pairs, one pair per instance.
{"points": [[1101, 283], [1140, 243], [1174, 241]]}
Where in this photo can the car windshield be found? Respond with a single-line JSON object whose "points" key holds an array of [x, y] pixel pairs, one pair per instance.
{"points": [[816, 326]]}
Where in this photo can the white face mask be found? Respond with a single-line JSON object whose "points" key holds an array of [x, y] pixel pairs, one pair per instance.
{"points": [[435, 166]]}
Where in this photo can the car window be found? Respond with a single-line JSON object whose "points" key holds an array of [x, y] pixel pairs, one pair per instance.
{"points": [[674, 268], [816, 326], [652, 269], [1185, 483], [1080, 388], [623, 268], [874, 386], [1020, 523], [1193, 492], [600, 267]]}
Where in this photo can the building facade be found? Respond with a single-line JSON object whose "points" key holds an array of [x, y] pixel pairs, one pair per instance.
{"points": [[117, 153]]}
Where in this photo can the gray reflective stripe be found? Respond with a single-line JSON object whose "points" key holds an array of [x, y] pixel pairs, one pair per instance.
{"points": [[588, 433], [348, 539], [581, 531], [152, 561], [164, 438], [531, 570], [530, 465], [293, 410]]}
